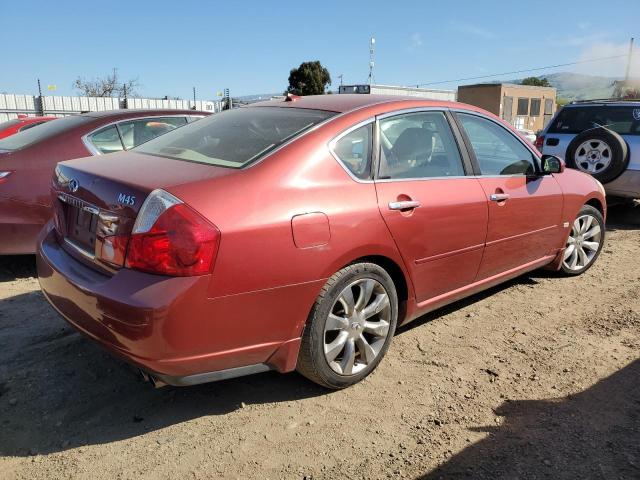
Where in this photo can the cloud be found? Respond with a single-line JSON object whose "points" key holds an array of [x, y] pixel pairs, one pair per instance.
{"points": [[473, 30], [615, 67], [416, 40]]}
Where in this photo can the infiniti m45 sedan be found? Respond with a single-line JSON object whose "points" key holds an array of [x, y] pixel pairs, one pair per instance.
{"points": [[298, 234]]}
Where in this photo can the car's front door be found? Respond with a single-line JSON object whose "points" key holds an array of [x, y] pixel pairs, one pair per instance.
{"points": [[436, 214], [525, 208]]}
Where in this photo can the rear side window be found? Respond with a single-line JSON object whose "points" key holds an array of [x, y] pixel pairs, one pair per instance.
{"points": [[106, 140], [624, 120], [234, 138], [137, 132], [354, 151], [418, 145], [497, 150], [43, 132]]}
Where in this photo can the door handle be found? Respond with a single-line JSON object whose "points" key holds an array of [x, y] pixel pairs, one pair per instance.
{"points": [[404, 205], [499, 197]]}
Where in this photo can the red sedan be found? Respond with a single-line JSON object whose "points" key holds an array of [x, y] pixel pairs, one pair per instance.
{"points": [[299, 234], [20, 124], [28, 158]]}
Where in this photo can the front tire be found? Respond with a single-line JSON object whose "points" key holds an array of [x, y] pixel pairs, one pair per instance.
{"points": [[350, 326], [585, 241]]}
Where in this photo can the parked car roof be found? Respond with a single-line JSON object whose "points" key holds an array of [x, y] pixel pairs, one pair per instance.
{"points": [[346, 102], [137, 112]]}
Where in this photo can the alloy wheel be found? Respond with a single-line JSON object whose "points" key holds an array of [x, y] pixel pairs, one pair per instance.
{"points": [[593, 156], [357, 326], [583, 243]]}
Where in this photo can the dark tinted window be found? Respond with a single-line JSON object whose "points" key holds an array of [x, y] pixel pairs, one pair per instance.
{"points": [[354, 150], [234, 138], [624, 120], [497, 150], [523, 106], [418, 145], [44, 131], [535, 107]]}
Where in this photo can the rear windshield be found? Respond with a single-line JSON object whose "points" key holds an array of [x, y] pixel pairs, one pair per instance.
{"points": [[234, 138], [624, 120], [41, 132]]}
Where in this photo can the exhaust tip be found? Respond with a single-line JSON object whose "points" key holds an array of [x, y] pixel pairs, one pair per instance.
{"points": [[154, 381]]}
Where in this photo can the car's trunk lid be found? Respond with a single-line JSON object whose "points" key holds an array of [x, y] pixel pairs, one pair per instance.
{"points": [[96, 200]]}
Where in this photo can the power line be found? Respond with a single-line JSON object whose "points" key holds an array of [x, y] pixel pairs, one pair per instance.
{"points": [[521, 71]]}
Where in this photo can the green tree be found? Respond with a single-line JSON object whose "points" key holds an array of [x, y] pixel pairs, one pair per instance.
{"points": [[536, 82], [310, 78]]}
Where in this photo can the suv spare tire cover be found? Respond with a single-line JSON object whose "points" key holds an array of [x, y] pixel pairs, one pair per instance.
{"points": [[619, 152]]}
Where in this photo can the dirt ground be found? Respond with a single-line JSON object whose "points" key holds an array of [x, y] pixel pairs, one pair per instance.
{"points": [[538, 378]]}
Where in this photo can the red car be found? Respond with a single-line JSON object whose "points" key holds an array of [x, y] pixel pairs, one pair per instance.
{"points": [[27, 161], [20, 124], [299, 234]]}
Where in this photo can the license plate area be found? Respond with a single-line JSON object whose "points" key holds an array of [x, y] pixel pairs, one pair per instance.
{"points": [[81, 222]]}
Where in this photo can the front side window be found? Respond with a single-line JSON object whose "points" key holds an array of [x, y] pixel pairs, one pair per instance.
{"points": [[354, 150], [497, 150], [106, 140], [234, 138], [137, 132], [418, 145]]}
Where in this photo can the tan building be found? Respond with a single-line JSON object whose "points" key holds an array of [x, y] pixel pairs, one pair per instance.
{"points": [[523, 106]]}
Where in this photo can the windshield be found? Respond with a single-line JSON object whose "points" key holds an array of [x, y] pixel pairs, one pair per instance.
{"points": [[624, 120], [234, 138], [41, 132]]}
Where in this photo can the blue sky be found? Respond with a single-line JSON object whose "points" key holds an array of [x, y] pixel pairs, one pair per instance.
{"points": [[250, 46]]}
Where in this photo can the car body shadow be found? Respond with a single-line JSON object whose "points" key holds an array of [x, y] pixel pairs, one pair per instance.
{"points": [[625, 216], [13, 267], [592, 434]]}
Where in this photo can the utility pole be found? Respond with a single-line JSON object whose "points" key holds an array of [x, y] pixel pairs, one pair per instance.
{"points": [[626, 77], [125, 103], [372, 64], [40, 99], [194, 99]]}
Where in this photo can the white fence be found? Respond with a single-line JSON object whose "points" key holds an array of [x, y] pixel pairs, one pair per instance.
{"points": [[59, 106]]}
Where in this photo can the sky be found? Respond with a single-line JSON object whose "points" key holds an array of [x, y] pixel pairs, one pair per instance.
{"points": [[250, 46]]}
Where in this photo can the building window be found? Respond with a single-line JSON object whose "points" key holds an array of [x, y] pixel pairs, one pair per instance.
{"points": [[535, 107], [548, 106], [523, 106]]}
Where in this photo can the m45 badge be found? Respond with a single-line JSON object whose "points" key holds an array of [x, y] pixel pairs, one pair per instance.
{"points": [[124, 199]]}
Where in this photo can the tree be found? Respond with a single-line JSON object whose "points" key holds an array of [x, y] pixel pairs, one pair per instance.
{"points": [[108, 86], [536, 82], [310, 78]]}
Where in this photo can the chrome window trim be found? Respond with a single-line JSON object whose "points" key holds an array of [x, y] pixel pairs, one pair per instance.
{"points": [[93, 149], [332, 143]]}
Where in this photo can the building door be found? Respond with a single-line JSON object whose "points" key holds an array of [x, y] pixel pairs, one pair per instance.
{"points": [[548, 111], [507, 109]]}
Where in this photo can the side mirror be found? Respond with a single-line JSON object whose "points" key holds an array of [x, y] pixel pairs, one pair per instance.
{"points": [[552, 164]]}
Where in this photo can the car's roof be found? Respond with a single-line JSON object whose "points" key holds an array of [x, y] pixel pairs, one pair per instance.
{"points": [[602, 103], [346, 102], [139, 112]]}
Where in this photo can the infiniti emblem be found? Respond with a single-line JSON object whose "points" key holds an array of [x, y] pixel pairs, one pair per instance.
{"points": [[73, 185]]}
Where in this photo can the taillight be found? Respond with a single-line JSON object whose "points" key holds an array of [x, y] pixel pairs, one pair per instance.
{"points": [[170, 238], [539, 142]]}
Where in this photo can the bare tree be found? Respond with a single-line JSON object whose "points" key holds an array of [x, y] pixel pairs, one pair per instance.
{"points": [[108, 86]]}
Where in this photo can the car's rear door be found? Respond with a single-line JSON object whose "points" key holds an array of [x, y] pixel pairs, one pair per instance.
{"points": [[525, 208], [436, 214]]}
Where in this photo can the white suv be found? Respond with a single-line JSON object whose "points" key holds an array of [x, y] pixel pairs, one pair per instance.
{"points": [[601, 138]]}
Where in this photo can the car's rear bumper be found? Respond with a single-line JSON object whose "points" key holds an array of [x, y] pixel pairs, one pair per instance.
{"points": [[168, 327], [626, 185]]}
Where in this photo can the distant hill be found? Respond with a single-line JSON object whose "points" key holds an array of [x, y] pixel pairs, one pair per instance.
{"points": [[576, 86]]}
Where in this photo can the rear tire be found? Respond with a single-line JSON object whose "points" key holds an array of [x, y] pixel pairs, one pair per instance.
{"points": [[350, 326], [584, 243]]}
